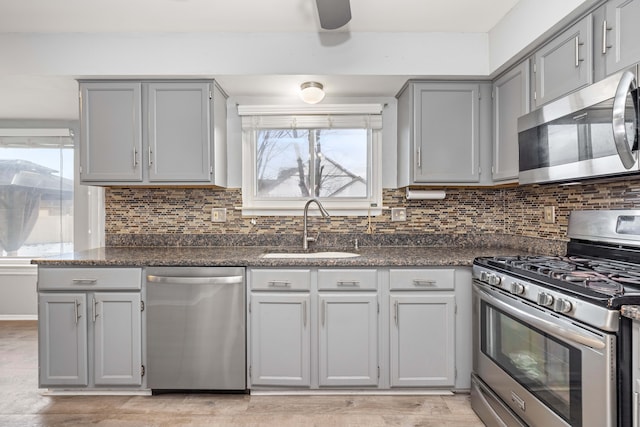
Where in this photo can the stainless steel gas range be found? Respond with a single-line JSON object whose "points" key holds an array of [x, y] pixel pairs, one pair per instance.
{"points": [[550, 346]]}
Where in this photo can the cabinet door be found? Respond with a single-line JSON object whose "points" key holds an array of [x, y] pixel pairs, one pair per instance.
{"points": [[422, 340], [621, 34], [446, 134], [280, 339], [116, 318], [564, 64], [62, 339], [348, 348], [510, 101], [179, 132], [110, 132]]}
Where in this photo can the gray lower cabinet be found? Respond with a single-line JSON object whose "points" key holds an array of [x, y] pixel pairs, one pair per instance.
{"points": [[152, 133], [348, 327], [564, 64], [359, 328], [439, 133], [510, 101], [348, 345], [635, 368], [279, 338], [92, 336], [422, 308]]}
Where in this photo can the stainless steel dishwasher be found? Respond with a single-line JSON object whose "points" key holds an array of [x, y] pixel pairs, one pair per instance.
{"points": [[196, 328]]}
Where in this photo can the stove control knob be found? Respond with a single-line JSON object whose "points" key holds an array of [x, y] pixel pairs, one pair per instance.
{"points": [[483, 276], [516, 288], [494, 279], [545, 299], [562, 306]]}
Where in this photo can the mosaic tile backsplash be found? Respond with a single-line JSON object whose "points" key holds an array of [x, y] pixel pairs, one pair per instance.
{"points": [[182, 216]]}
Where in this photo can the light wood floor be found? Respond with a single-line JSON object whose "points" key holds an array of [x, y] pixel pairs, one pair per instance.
{"points": [[23, 404]]}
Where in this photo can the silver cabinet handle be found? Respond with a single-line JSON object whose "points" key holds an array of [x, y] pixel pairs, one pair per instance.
{"points": [[627, 84], [279, 284], [94, 310], [221, 280], [304, 314], [135, 157], [76, 307], [419, 158], [84, 281], [150, 152], [395, 312], [348, 283], [577, 49], [323, 313], [419, 282], [636, 410], [604, 37]]}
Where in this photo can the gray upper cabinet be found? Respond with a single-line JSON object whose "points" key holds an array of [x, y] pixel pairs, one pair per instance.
{"points": [[619, 32], [564, 64], [439, 133], [179, 132], [111, 132], [152, 133], [510, 101]]}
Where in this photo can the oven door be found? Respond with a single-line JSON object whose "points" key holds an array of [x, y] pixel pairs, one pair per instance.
{"points": [[546, 369]]}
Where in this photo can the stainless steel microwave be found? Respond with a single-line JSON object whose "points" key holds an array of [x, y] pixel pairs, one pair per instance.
{"points": [[589, 133]]}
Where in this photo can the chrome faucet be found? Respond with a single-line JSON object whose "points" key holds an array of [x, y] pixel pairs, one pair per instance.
{"points": [[305, 236]]}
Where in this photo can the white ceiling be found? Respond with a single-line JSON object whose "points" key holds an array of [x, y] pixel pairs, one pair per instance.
{"points": [[55, 96], [246, 15]]}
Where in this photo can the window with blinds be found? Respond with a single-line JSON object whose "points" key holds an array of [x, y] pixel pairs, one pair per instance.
{"points": [[291, 156]]}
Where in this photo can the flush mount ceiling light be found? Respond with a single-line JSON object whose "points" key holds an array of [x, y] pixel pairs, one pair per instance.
{"points": [[311, 92]]}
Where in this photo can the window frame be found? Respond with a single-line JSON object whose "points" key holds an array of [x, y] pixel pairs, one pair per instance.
{"points": [[347, 116], [88, 201]]}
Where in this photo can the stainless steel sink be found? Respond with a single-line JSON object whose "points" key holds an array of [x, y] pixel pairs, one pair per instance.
{"points": [[310, 255]]}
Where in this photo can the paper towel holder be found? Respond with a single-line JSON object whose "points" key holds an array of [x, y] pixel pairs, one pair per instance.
{"points": [[425, 194]]}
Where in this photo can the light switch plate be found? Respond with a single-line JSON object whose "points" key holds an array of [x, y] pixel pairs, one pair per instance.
{"points": [[549, 214], [398, 214], [218, 214]]}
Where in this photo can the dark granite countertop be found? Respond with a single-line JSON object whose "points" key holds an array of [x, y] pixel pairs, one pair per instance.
{"points": [[251, 256]]}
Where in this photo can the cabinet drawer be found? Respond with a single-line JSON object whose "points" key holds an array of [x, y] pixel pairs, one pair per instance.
{"points": [[348, 280], [281, 280], [89, 278], [422, 279]]}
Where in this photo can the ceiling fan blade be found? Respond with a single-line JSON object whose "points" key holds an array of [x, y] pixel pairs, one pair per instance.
{"points": [[333, 13]]}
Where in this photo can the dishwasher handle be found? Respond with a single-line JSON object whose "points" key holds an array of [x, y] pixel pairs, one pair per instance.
{"points": [[180, 280]]}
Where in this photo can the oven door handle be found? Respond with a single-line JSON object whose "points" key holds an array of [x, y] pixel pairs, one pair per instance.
{"points": [[543, 324]]}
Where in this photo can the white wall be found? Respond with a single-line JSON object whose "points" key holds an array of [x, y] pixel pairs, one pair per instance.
{"points": [[527, 22], [18, 296]]}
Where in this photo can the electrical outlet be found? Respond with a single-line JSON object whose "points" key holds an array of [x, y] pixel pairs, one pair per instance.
{"points": [[218, 214], [398, 214], [549, 214]]}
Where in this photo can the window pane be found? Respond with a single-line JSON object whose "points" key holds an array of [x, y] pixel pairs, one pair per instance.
{"points": [[282, 163], [36, 196], [343, 158], [328, 163]]}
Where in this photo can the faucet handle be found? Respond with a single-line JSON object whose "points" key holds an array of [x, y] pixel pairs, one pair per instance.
{"points": [[313, 239]]}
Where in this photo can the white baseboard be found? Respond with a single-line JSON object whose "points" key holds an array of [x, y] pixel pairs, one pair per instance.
{"points": [[18, 317]]}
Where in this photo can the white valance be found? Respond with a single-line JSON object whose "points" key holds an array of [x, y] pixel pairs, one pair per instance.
{"points": [[336, 116]]}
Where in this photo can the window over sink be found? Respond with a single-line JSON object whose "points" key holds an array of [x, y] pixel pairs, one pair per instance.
{"points": [[330, 152]]}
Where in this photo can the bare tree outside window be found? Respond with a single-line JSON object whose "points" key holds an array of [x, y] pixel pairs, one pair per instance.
{"points": [[300, 163]]}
